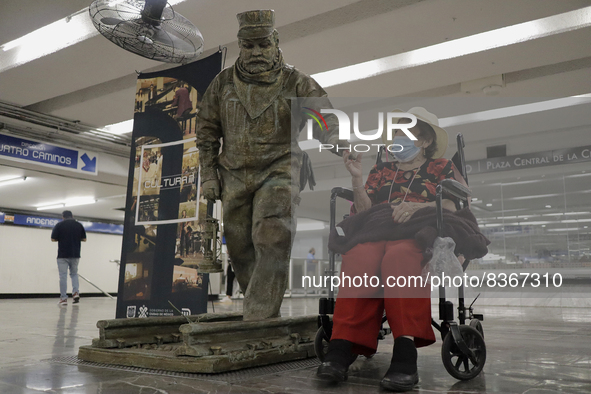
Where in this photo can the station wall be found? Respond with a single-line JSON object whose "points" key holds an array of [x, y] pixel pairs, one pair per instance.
{"points": [[28, 262]]}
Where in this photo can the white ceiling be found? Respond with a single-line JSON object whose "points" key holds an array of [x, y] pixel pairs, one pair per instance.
{"points": [[94, 81]]}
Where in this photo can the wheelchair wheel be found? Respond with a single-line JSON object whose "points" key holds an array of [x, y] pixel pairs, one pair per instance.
{"points": [[477, 325], [457, 363], [321, 344]]}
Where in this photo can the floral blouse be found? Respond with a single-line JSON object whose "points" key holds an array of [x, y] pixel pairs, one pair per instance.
{"points": [[422, 188]]}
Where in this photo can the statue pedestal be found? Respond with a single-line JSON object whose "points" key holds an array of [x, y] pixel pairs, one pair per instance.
{"points": [[211, 343]]}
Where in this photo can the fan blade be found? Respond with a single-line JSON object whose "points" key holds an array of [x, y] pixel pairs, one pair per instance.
{"points": [[163, 38], [111, 21]]}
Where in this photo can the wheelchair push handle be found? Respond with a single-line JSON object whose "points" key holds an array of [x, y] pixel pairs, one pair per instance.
{"points": [[341, 192], [456, 189]]}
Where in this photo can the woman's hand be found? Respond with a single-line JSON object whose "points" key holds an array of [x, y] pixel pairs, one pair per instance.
{"points": [[353, 164], [404, 211]]}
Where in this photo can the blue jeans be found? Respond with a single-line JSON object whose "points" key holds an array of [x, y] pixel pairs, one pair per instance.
{"points": [[62, 266]]}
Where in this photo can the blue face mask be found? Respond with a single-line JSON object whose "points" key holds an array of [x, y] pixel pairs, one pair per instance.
{"points": [[409, 150]]}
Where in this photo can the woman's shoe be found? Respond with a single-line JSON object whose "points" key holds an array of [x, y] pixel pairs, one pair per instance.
{"points": [[398, 381], [336, 363], [332, 371], [402, 374]]}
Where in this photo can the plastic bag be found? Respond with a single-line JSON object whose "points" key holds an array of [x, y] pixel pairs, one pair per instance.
{"points": [[444, 260]]}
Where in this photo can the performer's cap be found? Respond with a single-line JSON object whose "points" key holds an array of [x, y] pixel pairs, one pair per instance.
{"points": [[256, 24]]}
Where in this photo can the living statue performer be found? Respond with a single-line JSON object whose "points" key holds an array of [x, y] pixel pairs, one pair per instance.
{"points": [[248, 106]]}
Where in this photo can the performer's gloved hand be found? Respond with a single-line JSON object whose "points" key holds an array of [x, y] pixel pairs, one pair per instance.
{"points": [[211, 189]]}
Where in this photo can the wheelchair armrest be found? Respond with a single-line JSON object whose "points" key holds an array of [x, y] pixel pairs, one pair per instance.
{"points": [[456, 189], [342, 192]]}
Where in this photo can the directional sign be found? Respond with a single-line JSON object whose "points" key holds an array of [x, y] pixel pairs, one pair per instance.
{"points": [[41, 153], [530, 160], [41, 221]]}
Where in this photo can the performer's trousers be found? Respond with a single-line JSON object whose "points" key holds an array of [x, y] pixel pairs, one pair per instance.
{"points": [[359, 310], [259, 230]]}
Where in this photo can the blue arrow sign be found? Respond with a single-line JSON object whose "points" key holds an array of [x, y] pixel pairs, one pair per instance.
{"points": [[89, 164], [30, 151]]}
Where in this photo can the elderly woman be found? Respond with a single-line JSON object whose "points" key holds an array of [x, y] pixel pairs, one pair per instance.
{"points": [[408, 184]]}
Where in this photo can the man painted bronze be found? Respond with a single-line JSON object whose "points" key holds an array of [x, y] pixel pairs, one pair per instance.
{"points": [[256, 173]]}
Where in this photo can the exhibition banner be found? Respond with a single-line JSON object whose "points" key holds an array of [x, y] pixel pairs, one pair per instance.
{"points": [[164, 214], [41, 153]]}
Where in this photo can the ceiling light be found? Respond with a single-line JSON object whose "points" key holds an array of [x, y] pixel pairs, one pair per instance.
{"points": [[68, 203], [535, 196], [524, 109], [54, 206], [548, 206], [80, 201], [48, 39], [533, 223], [489, 205], [519, 33], [120, 128], [576, 221], [12, 180]]}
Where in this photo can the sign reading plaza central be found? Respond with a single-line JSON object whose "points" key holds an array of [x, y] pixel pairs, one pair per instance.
{"points": [[29, 151], [530, 160]]}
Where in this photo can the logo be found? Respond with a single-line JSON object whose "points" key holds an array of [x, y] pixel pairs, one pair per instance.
{"points": [[344, 122], [130, 311], [143, 311], [186, 311], [315, 115]]}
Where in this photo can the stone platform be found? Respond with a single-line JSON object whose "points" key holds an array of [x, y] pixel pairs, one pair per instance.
{"points": [[210, 343]]}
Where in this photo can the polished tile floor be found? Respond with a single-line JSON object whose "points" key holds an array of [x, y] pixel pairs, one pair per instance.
{"points": [[533, 350]]}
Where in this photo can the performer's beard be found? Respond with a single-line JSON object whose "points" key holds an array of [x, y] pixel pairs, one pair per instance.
{"points": [[257, 65]]}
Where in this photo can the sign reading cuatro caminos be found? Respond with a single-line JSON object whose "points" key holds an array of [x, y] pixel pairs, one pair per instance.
{"points": [[40, 153], [530, 160]]}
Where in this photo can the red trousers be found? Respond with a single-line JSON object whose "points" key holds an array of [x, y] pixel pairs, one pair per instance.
{"points": [[359, 310]]}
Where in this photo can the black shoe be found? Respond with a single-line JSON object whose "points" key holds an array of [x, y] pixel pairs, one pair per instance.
{"points": [[402, 374], [336, 363], [332, 371], [398, 381]]}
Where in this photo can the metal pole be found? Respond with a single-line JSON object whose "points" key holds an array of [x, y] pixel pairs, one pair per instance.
{"points": [[107, 294]]}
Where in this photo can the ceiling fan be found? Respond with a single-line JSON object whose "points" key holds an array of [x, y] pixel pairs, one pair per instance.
{"points": [[149, 28]]}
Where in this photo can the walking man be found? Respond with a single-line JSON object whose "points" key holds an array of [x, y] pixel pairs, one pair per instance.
{"points": [[68, 234]]}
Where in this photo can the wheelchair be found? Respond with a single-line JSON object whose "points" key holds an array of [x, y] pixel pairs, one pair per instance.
{"points": [[463, 351]]}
